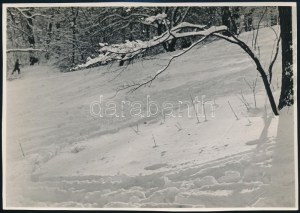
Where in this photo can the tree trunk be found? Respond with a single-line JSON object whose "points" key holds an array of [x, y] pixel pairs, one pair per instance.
{"points": [[147, 32], [29, 27], [226, 19], [159, 32], [74, 16], [171, 45], [286, 95], [168, 46], [229, 21], [48, 40]]}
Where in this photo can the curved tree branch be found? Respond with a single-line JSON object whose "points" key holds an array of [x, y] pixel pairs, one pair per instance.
{"points": [[168, 64], [260, 69], [31, 16], [131, 49], [273, 61]]}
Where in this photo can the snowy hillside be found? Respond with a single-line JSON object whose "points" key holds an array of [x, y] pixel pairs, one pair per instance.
{"points": [[74, 159]]}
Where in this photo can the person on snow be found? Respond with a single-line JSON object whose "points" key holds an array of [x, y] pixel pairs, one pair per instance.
{"points": [[17, 67]]}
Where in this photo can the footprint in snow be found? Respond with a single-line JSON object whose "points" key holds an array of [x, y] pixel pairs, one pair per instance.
{"points": [[253, 142], [163, 153], [156, 166]]}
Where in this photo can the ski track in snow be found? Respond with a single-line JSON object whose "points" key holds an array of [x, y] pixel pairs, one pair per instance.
{"points": [[238, 179]]}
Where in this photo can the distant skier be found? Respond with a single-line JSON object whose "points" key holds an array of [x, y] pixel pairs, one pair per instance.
{"points": [[17, 67]]}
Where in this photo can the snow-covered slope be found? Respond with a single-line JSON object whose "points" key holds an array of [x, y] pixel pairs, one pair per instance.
{"points": [[74, 159]]}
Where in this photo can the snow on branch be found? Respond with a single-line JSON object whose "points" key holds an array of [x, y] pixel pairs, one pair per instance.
{"points": [[188, 25], [25, 50], [131, 49], [159, 18], [136, 46]]}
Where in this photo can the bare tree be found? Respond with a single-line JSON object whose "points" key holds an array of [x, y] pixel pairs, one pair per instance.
{"points": [[131, 50]]}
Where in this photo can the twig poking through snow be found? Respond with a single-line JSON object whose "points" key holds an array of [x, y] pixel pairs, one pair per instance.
{"points": [[253, 88], [195, 109], [233, 111], [22, 150], [137, 129], [164, 119], [203, 107], [154, 141], [244, 101], [249, 121], [178, 126]]}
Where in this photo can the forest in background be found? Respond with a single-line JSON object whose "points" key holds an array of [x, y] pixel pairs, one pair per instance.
{"points": [[68, 36]]}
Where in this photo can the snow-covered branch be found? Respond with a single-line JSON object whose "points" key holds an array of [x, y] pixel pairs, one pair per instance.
{"points": [[188, 25], [136, 46], [159, 18], [25, 50], [132, 48]]}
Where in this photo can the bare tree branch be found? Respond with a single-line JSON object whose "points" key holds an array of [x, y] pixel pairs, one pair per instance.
{"points": [[173, 21], [124, 17], [131, 49], [19, 29], [170, 60], [185, 14], [31, 16]]}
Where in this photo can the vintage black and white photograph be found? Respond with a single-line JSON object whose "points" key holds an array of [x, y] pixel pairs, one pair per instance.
{"points": [[169, 106]]}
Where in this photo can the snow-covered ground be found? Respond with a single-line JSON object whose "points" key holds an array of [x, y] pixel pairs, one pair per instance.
{"points": [[74, 159]]}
